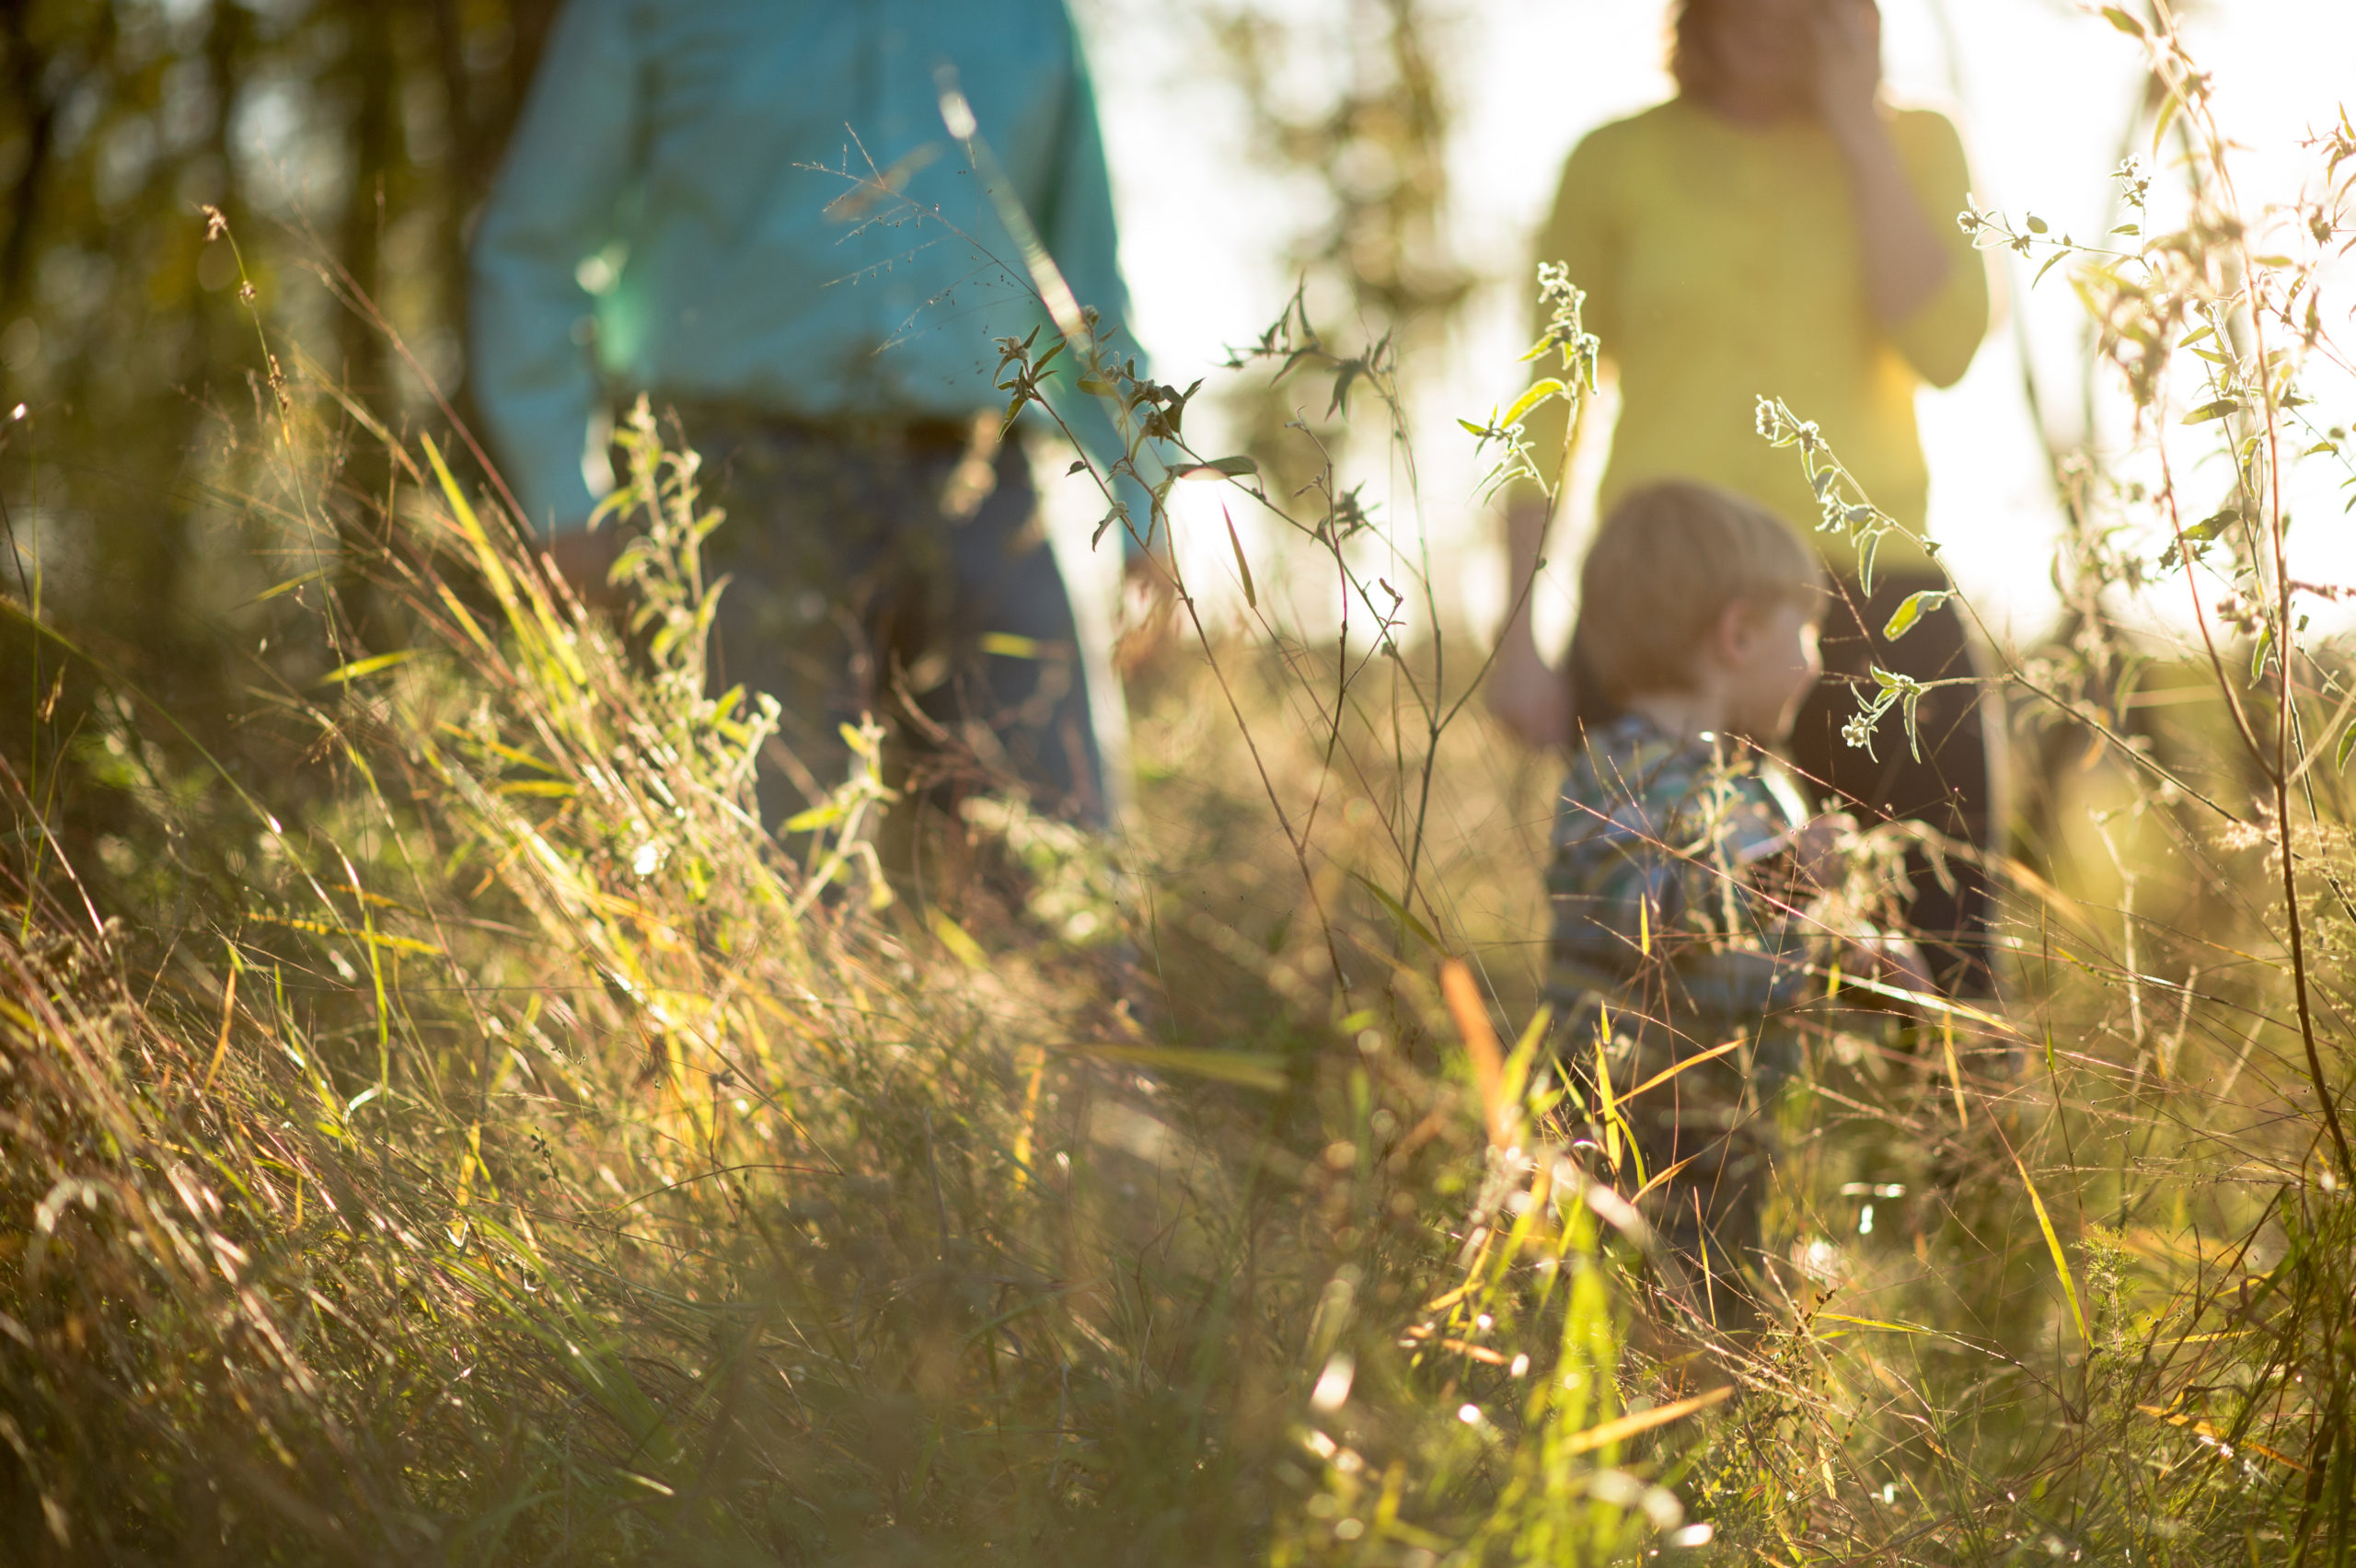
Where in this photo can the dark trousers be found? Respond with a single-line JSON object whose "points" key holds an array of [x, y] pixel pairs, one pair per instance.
{"points": [[902, 571], [1707, 1139], [1952, 788]]}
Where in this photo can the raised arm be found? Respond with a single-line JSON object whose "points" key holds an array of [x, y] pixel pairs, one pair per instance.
{"points": [[1926, 286], [554, 205]]}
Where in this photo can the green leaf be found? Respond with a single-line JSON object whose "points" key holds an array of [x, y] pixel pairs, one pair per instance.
{"points": [[2050, 262], [2191, 338], [361, 668], [1903, 620], [274, 589], [1245, 1069], [2216, 522], [2258, 655], [2169, 107], [2036, 224], [1399, 912], [1539, 392], [816, 817], [2131, 231], [2122, 21], [2347, 744], [2216, 410], [2053, 1245], [1242, 567], [1221, 468], [959, 941]]}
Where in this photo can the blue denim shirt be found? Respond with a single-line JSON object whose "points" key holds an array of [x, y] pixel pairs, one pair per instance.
{"points": [[679, 213]]}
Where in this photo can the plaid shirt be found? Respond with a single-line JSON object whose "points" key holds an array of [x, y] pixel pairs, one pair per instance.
{"points": [[1674, 898]]}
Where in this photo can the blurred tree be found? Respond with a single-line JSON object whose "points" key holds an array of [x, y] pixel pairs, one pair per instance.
{"points": [[1374, 137], [347, 142], [1349, 103]]}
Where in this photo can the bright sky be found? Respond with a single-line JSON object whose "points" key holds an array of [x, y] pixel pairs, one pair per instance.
{"points": [[2042, 89]]}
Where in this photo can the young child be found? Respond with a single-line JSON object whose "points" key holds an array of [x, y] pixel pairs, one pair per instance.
{"points": [[1690, 878]]}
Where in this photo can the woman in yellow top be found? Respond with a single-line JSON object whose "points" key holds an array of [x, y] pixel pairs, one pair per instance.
{"points": [[1775, 228]]}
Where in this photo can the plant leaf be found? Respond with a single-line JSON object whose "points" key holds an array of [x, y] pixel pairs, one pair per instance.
{"points": [[816, 817], [360, 668], [1242, 567], [1399, 911], [1246, 1069], [2169, 107], [2216, 410], [2216, 522], [1916, 607], [960, 943], [1221, 468], [2053, 1245], [1538, 393]]}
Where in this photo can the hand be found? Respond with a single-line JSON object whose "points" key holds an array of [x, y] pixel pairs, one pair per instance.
{"points": [[582, 558], [1149, 613], [1893, 961], [1530, 699], [1848, 66]]}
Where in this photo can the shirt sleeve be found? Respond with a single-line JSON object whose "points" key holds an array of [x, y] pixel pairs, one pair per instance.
{"points": [[1581, 233], [1940, 339], [1083, 237], [554, 202]]}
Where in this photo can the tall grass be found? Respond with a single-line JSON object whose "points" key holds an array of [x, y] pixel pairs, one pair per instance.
{"points": [[445, 1127], [488, 1144]]}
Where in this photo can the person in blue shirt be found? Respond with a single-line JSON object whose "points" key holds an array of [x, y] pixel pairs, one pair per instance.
{"points": [[752, 212]]}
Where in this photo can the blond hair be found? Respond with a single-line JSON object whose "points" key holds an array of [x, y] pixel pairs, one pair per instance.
{"points": [[1663, 569]]}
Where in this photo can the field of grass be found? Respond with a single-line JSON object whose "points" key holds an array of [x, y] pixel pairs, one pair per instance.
{"points": [[438, 1125]]}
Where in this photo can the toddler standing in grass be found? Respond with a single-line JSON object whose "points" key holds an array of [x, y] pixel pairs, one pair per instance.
{"points": [[1694, 921]]}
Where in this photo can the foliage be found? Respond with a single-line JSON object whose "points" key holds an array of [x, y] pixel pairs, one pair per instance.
{"points": [[438, 1124]]}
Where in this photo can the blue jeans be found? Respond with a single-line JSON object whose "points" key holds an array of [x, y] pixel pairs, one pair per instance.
{"points": [[902, 571]]}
